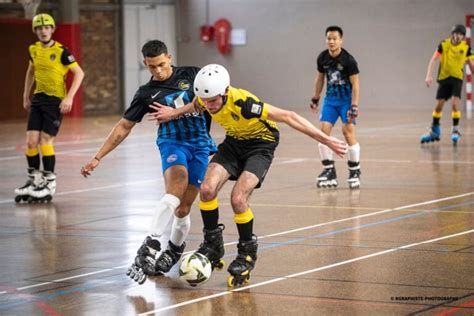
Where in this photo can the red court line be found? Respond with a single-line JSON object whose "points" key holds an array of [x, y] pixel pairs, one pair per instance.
{"points": [[456, 309]]}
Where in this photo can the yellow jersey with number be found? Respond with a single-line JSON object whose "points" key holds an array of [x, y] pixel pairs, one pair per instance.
{"points": [[453, 58], [244, 117], [51, 65]]}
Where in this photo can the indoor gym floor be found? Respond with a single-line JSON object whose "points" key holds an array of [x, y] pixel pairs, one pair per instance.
{"points": [[401, 244]]}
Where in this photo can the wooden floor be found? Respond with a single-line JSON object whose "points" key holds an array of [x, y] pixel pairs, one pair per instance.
{"points": [[402, 244]]}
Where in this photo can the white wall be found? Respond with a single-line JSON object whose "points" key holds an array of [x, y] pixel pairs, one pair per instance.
{"points": [[392, 40], [143, 22]]}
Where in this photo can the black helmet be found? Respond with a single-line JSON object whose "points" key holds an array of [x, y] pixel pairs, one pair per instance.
{"points": [[459, 28]]}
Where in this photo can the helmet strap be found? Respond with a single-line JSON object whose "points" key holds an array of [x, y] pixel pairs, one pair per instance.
{"points": [[224, 96]]}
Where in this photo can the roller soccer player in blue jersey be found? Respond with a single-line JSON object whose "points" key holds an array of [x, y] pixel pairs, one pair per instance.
{"points": [[184, 145], [341, 71]]}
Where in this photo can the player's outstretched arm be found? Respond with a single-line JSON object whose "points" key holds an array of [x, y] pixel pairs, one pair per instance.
{"points": [[120, 131], [165, 113], [302, 125]]}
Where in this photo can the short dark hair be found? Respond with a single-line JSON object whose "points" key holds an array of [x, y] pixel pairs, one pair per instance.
{"points": [[154, 48], [334, 28]]}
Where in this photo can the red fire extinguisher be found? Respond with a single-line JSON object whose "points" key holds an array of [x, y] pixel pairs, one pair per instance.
{"points": [[222, 29]]}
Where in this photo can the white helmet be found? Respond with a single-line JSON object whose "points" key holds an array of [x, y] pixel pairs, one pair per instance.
{"points": [[211, 80]]}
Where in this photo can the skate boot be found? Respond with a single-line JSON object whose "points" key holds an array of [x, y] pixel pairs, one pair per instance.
{"points": [[455, 135], [34, 179], [213, 246], [433, 135], [327, 178], [240, 268], [145, 261], [169, 257], [354, 174], [45, 191]]}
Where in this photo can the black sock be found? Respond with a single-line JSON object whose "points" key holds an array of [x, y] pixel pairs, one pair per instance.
{"points": [[210, 218], [245, 231], [33, 161]]}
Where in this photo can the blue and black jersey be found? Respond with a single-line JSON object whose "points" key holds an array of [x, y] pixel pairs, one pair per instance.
{"points": [[338, 70], [176, 91]]}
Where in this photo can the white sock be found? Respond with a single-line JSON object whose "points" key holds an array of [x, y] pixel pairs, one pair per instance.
{"points": [[180, 230], [354, 152], [325, 152], [162, 216]]}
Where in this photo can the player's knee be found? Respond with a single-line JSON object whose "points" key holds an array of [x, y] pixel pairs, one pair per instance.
{"points": [[238, 201], [208, 193], [348, 134], [32, 143]]}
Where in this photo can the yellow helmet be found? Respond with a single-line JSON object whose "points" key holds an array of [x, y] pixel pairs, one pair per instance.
{"points": [[42, 19]]}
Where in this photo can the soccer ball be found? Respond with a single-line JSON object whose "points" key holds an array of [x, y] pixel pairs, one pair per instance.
{"points": [[195, 269]]}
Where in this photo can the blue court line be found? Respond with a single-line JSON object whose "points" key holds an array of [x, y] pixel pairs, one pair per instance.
{"points": [[343, 230], [97, 283]]}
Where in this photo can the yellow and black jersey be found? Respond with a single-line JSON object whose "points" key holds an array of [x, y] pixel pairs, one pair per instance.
{"points": [[51, 65], [244, 117], [453, 58]]}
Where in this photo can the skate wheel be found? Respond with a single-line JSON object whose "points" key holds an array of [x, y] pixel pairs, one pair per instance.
{"points": [[219, 265], [18, 199], [48, 198], [230, 281], [141, 279]]}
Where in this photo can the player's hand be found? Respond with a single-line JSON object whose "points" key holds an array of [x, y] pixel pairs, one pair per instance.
{"points": [[162, 113], [353, 113], [428, 81], [27, 104], [66, 105], [338, 146], [89, 167], [314, 103]]}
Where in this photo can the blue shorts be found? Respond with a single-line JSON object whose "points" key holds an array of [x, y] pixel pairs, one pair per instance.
{"points": [[194, 159], [335, 108]]}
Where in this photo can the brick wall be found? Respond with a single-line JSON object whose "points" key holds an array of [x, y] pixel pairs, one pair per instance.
{"points": [[99, 51]]}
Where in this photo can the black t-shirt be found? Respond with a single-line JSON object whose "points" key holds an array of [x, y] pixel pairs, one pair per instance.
{"points": [[338, 70]]}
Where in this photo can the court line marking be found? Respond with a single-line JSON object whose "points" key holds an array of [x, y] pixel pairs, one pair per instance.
{"points": [[105, 187], [263, 237], [294, 275]]}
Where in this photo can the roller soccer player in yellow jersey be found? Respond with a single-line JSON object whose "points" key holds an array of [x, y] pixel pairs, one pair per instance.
{"points": [[453, 53], [244, 156], [49, 63]]}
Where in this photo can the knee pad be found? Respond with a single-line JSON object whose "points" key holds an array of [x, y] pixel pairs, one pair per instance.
{"points": [[244, 218], [47, 149], [456, 114], [31, 152]]}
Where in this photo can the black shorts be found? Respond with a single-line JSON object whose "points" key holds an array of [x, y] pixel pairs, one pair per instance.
{"points": [[449, 87], [44, 114], [254, 156]]}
